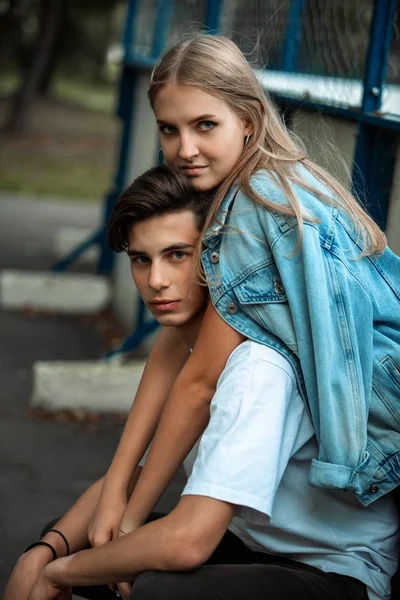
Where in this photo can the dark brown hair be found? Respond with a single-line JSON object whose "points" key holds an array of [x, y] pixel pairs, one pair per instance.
{"points": [[158, 191]]}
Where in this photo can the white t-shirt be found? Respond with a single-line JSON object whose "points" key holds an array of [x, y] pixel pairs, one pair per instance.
{"points": [[256, 453]]}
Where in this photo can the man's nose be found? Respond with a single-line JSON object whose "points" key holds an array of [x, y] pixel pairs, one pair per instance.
{"points": [[158, 278]]}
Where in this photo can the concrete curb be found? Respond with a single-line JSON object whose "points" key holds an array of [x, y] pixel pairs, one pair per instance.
{"points": [[71, 293], [90, 386]]}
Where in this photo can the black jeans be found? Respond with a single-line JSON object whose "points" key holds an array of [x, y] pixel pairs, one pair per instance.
{"points": [[233, 572]]}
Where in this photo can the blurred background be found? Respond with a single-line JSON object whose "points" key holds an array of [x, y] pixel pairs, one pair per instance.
{"points": [[75, 129]]}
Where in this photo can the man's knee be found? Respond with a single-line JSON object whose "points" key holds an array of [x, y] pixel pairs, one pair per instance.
{"points": [[162, 585]]}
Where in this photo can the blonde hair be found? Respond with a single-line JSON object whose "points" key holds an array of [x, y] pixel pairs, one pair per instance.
{"points": [[216, 65]]}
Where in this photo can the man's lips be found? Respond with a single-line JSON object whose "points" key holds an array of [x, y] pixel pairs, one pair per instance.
{"points": [[165, 304]]}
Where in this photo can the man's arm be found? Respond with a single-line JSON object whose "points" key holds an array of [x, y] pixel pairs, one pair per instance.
{"points": [[185, 415], [181, 541], [166, 359]]}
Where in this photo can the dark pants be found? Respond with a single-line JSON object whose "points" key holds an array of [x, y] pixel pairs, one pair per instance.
{"points": [[233, 572]]}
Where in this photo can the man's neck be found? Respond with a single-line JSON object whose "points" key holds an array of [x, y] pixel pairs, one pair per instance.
{"points": [[189, 331]]}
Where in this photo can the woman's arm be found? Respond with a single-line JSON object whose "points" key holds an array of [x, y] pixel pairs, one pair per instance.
{"points": [[166, 359], [184, 417], [73, 525]]}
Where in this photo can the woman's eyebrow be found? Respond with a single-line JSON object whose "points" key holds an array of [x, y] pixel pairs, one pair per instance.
{"points": [[200, 118]]}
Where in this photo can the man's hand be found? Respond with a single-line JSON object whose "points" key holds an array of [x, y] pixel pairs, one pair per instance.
{"points": [[26, 572], [107, 516], [125, 527]]}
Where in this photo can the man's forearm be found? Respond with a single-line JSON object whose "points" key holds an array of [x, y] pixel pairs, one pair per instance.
{"points": [[152, 547]]}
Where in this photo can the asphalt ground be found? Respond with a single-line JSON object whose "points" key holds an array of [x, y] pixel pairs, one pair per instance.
{"points": [[45, 464]]}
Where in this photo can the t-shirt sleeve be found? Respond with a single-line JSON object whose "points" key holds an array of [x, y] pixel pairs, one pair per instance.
{"points": [[253, 431]]}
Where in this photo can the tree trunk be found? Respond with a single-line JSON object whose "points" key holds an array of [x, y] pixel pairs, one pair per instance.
{"points": [[10, 28], [52, 13]]}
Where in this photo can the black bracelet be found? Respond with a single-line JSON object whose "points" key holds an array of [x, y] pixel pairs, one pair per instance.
{"points": [[63, 537], [43, 544]]}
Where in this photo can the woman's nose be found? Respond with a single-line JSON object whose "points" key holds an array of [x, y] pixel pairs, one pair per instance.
{"points": [[188, 148]]}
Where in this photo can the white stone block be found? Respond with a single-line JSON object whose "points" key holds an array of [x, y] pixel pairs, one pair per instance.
{"points": [[71, 293], [68, 238], [90, 386]]}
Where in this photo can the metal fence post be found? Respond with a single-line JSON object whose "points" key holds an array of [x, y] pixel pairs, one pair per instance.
{"points": [[213, 16], [374, 155], [293, 35]]}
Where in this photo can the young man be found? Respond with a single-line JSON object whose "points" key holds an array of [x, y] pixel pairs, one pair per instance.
{"points": [[248, 524]]}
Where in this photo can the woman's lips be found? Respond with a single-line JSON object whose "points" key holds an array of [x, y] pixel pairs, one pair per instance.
{"points": [[193, 171]]}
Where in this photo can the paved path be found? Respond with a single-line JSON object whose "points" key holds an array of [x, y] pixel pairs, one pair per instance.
{"points": [[44, 465]]}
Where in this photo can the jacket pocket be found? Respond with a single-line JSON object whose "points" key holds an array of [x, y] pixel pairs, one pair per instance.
{"points": [[263, 298], [386, 384], [261, 285]]}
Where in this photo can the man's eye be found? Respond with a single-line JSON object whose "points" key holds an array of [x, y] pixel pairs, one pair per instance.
{"points": [[167, 129], [207, 125], [140, 260], [178, 255]]}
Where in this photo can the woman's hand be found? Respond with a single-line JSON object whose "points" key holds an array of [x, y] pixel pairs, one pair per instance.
{"points": [[45, 589], [104, 524], [26, 572]]}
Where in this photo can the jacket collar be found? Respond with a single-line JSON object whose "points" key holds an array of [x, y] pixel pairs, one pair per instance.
{"points": [[211, 236]]}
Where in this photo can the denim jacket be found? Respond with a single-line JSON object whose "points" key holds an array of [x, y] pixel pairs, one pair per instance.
{"points": [[334, 316]]}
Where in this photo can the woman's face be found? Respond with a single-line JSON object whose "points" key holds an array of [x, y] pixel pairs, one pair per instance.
{"points": [[199, 133]]}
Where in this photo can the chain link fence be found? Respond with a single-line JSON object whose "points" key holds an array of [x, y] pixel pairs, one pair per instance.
{"points": [[332, 39]]}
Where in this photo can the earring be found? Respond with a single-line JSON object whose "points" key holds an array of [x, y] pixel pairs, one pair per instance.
{"points": [[246, 139], [161, 159]]}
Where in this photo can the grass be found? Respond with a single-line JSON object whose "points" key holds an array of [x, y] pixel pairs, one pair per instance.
{"points": [[70, 147], [44, 176]]}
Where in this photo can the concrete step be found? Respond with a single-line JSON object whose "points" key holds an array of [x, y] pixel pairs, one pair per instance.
{"points": [[90, 386], [70, 293]]}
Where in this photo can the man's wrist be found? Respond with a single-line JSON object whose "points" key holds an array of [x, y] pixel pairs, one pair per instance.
{"points": [[114, 484]]}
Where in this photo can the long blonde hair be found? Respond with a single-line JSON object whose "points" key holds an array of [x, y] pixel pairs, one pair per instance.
{"points": [[216, 65]]}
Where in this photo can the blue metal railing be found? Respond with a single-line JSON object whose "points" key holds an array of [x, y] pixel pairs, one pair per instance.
{"points": [[375, 148]]}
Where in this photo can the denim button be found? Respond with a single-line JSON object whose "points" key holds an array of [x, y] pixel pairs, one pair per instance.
{"points": [[232, 309], [373, 489], [214, 257], [278, 287]]}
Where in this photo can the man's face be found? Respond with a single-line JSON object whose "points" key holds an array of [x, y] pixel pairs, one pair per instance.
{"points": [[161, 250]]}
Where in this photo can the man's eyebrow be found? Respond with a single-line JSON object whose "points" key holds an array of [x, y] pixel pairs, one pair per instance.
{"points": [[176, 246], [200, 118]]}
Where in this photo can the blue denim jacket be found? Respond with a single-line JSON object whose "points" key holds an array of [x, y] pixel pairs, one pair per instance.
{"points": [[335, 316]]}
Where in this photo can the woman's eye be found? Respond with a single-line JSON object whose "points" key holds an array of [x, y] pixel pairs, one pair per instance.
{"points": [[207, 125], [167, 129]]}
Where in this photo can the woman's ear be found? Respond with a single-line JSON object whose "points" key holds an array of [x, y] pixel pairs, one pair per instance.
{"points": [[249, 128]]}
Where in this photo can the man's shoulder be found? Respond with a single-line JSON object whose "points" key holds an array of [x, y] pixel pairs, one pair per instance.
{"points": [[251, 351]]}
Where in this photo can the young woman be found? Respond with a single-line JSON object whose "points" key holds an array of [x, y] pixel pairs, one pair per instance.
{"points": [[292, 261]]}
